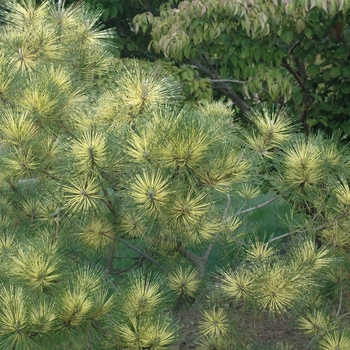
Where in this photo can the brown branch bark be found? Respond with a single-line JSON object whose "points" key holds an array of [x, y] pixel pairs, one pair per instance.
{"points": [[306, 97], [57, 224], [109, 258], [290, 51], [225, 89], [205, 257], [227, 81], [143, 253], [195, 259]]}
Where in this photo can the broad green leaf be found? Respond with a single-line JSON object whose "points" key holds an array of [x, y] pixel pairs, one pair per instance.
{"points": [[105, 14], [308, 44], [317, 97], [246, 52], [345, 89], [257, 54], [187, 75], [212, 33], [297, 96], [346, 128], [313, 69], [346, 71], [312, 122], [187, 51], [308, 32], [335, 72], [325, 106], [300, 25], [326, 75], [287, 35]]}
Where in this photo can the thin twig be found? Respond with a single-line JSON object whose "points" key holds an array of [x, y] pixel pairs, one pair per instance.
{"points": [[240, 242], [290, 51], [57, 224], [306, 229], [225, 88], [227, 81], [295, 74], [248, 210], [51, 176], [279, 237], [194, 258], [227, 206], [138, 262], [108, 201], [340, 300], [306, 97], [346, 314], [109, 204], [143, 253], [206, 255]]}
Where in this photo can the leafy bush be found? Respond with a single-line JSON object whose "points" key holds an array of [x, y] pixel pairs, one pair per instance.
{"points": [[291, 53]]}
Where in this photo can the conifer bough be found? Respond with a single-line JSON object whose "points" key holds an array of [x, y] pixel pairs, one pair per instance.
{"points": [[118, 199]]}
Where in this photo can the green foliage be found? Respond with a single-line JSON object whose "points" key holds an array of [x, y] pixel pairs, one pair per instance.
{"points": [[102, 176], [118, 14], [292, 53]]}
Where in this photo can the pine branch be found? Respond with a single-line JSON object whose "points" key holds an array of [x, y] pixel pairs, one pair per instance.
{"points": [[344, 315], [248, 210], [51, 176], [205, 257], [143, 253], [134, 265], [340, 301], [227, 206], [192, 257], [109, 258], [57, 224], [108, 201], [282, 236], [110, 206], [319, 228], [195, 259]]}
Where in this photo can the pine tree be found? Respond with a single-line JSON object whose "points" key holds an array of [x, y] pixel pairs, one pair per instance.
{"points": [[115, 192]]}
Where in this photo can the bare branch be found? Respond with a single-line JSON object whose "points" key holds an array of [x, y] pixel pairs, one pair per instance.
{"points": [[51, 176], [240, 212], [290, 51], [227, 206], [281, 236], [110, 256], [205, 257], [340, 301], [306, 97], [143, 253], [194, 258], [346, 314], [307, 229], [227, 81], [57, 224], [225, 88], [295, 74]]}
